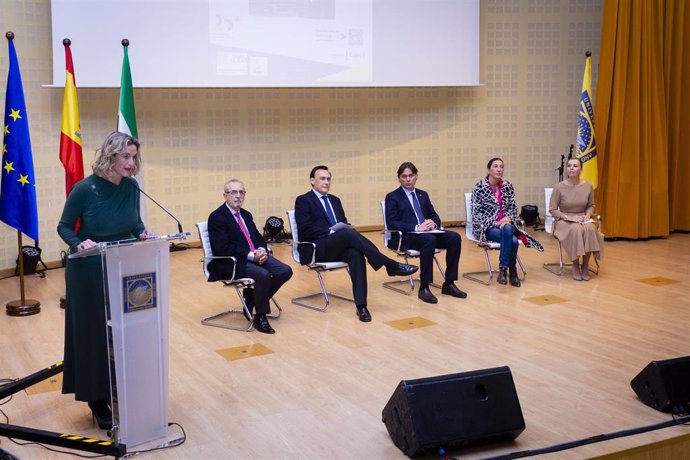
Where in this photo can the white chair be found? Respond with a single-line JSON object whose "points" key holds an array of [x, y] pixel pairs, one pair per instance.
{"points": [[316, 267], [221, 319], [485, 244], [406, 254], [549, 224]]}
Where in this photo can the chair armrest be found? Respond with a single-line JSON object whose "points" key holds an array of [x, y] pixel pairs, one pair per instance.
{"points": [[520, 223], [313, 252], [388, 234], [234, 263]]}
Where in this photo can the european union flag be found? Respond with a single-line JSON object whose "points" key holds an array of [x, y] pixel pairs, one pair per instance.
{"points": [[18, 189]]}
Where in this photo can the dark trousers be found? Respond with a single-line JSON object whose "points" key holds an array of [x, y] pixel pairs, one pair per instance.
{"points": [[349, 246], [268, 278], [426, 243]]}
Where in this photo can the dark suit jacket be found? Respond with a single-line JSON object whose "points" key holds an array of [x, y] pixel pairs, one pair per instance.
{"points": [[227, 239], [312, 220], [400, 214]]}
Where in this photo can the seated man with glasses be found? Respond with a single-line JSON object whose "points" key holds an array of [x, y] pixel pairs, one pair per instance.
{"points": [[409, 210], [232, 232]]}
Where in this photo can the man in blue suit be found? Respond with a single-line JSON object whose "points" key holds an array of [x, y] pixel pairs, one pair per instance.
{"points": [[315, 213], [409, 210], [232, 232]]}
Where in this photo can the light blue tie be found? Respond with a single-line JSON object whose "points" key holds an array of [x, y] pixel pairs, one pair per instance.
{"points": [[417, 208], [329, 211]]}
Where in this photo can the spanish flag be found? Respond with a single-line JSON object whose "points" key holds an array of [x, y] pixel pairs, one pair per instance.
{"points": [[586, 144], [70, 136]]}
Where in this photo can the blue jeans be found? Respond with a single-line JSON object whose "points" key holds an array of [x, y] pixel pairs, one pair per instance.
{"points": [[509, 244]]}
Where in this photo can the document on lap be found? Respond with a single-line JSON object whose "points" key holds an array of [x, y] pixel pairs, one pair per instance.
{"points": [[339, 226], [437, 230]]}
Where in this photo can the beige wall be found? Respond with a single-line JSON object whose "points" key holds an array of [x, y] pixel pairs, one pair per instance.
{"points": [[532, 59]]}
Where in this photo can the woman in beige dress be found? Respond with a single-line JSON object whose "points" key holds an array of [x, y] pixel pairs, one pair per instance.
{"points": [[572, 205]]}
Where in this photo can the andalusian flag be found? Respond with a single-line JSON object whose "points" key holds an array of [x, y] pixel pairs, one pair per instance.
{"points": [[18, 189], [70, 136], [586, 144], [127, 117]]}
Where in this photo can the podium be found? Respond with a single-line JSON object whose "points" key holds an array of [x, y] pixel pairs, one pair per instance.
{"points": [[135, 283]]}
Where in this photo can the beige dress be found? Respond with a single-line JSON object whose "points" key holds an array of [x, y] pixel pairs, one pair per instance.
{"points": [[572, 201]]}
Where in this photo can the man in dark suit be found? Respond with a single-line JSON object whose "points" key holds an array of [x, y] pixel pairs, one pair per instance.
{"points": [[315, 213], [410, 211], [232, 232]]}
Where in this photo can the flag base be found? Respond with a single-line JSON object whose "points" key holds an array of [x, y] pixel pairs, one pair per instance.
{"points": [[27, 308]]}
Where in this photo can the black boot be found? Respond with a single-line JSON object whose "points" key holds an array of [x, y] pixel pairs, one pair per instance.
{"points": [[102, 413], [502, 276], [514, 280]]}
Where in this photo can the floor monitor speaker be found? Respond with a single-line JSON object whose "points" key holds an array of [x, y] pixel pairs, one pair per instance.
{"points": [[665, 385], [452, 411]]}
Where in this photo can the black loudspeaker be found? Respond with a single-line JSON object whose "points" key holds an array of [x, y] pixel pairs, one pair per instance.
{"points": [[452, 411], [665, 385]]}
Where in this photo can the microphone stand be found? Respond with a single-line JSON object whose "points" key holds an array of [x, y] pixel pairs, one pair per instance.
{"points": [[561, 168], [173, 246]]}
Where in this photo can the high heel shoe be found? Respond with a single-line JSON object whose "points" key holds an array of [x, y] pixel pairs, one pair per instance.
{"points": [[584, 269], [102, 414]]}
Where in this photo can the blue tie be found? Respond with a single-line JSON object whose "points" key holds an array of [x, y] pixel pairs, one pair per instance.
{"points": [[329, 211], [417, 208]]}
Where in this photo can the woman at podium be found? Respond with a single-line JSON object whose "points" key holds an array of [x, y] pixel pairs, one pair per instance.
{"points": [[102, 207]]}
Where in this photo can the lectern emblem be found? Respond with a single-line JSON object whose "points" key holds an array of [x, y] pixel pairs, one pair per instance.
{"points": [[139, 292]]}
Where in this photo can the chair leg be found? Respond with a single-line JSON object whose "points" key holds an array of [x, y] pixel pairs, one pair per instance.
{"points": [[324, 293], [217, 320], [522, 267], [277, 305], [490, 271], [557, 268]]}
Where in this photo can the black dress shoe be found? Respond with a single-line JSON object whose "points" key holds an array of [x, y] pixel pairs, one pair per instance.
{"points": [[426, 296], [452, 290], [102, 413], [401, 270], [363, 314], [513, 279], [502, 276], [262, 325]]}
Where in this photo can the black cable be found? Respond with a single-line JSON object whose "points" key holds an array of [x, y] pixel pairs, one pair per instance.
{"points": [[594, 439], [178, 442]]}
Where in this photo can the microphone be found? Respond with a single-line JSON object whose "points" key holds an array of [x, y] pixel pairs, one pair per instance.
{"points": [[179, 225]]}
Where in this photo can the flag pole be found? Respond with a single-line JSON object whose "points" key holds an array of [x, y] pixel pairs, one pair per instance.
{"points": [[24, 306]]}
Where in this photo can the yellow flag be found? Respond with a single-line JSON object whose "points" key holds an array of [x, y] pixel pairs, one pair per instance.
{"points": [[586, 144]]}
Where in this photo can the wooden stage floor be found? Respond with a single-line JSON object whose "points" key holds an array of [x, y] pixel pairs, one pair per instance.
{"points": [[315, 390]]}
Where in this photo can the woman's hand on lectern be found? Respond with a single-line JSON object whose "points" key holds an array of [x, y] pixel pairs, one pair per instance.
{"points": [[148, 233], [84, 245]]}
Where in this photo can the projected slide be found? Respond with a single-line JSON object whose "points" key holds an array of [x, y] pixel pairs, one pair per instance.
{"points": [[269, 43], [325, 40]]}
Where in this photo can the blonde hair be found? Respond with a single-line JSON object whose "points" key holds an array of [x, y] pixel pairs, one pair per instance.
{"points": [[114, 144]]}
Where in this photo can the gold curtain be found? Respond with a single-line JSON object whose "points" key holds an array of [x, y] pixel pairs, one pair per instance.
{"points": [[641, 127]]}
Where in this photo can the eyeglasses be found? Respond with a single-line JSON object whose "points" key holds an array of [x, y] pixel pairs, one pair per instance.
{"points": [[236, 192]]}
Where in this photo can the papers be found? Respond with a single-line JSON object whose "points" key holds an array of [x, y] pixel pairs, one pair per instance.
{"points": [[339, 226], [438, 230]]}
